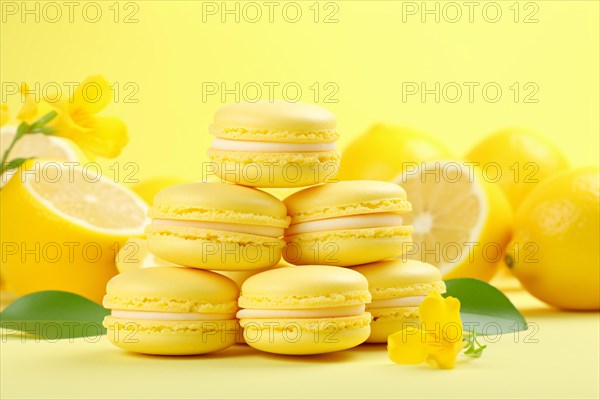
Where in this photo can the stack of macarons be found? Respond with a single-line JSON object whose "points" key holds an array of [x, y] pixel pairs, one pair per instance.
{"points": [[315, 305]]}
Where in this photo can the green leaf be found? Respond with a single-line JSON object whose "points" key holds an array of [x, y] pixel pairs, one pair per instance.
{"points": [[43, 120], [484, 308], [473, 348], [54, 315], [21, 130], [46, 130]]}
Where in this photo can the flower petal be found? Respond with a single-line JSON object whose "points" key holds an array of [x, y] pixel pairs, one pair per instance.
{"points": [[109, 136], [92, 95], [407, 346], [444, 356], [29, 110], [432, 311], [4, 115]]}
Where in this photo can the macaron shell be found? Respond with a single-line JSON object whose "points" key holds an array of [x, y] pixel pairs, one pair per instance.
{"points": [[395, 278], [275, 170], [346, 198], [347, 247], [219, 202], [304, 287], [214, 250], [171, 337], [388, 321], [171, 289], [306, 336], [275, 121]]}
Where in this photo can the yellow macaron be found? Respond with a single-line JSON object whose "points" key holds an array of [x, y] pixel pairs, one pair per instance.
{"points": [[346, 223], [398, 287], [217, 226], [274, 144], [171, 311], [309, 309]]}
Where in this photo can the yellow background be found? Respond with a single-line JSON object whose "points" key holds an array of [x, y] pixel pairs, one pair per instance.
{"points": [[170, 53]]}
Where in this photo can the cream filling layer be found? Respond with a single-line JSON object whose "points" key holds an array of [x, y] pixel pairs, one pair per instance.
{"points": [[409, 301], [331, 312], [167, 316], [270, 147], [270, 231], [361, 221]]}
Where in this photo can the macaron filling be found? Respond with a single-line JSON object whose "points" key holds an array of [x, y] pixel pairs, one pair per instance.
{"points": [[361, 221], [168, 316], [409, 301], [270, 147], [332, 312], [261, 230]]}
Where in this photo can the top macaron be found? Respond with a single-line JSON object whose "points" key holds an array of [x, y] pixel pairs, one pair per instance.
{"points": [[274, 144]]}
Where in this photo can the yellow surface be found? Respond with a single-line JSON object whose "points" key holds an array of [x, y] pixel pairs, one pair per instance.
{"points": [[558, 359]]}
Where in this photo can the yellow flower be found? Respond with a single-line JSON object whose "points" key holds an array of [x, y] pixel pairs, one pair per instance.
{"points": [[29, 110], [4, 116], [439, 338], [76, 117]]}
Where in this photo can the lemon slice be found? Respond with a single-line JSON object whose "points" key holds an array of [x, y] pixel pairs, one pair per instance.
{"points": [[62, 227], [37, 145], [461, 221]]}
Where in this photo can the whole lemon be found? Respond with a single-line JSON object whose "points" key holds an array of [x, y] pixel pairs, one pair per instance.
{"points": [[386, 151], [518, 159], [555, 248]]}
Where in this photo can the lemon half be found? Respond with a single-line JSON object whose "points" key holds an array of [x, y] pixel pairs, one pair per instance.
{"points": [[461, 222], [62, 226], [36, 145]]}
